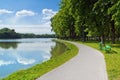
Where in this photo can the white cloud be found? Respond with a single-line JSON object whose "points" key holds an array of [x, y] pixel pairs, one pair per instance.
{"points": [[4, 11], [2, 63], [25, 13], [38, 24], [19, 17], [48, 13], [46, 57], [25, 61]]}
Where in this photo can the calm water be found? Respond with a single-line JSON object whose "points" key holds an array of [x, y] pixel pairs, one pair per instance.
{"points": [[20, 54]]}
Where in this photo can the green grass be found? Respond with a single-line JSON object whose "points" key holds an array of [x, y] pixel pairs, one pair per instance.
{"points": [[40, 69], [112, 60]]}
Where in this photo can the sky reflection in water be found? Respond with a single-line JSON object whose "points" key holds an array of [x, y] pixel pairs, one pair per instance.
{"points": [[23, 53]]}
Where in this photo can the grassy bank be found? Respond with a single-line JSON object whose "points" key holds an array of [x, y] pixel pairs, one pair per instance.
{"points": [[40, 69], [112, 60]]}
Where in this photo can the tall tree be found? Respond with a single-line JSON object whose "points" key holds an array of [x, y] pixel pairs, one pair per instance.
{"points": [[81, 11], [103, 19], [63, 22], [83, 18], [114, 11]]}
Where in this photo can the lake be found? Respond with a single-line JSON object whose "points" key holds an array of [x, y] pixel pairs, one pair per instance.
{"points": [[17, 54]]}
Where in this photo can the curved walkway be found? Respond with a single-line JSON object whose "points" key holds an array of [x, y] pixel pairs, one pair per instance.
{"points": [[89, 64]]}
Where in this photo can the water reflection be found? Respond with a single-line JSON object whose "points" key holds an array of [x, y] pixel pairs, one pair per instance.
{"points": [[58, 49], [7, 45], [22, 54]]}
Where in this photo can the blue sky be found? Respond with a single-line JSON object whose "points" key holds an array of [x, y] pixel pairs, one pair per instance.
{"points": [[28, 16]]}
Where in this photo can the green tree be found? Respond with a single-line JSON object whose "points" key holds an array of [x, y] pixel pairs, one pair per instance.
{"points": [[8, 33], [100, 20], [81, 11], [82, 18], [63, 22], [114, 11]]}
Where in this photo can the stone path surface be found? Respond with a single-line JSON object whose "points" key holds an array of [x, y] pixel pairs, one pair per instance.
{"points": [[89, 64]]}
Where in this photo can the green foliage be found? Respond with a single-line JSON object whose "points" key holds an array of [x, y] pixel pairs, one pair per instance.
{"points": [[6, 33], [63, 22], [99, 17], [115, 11], [40, 69]]}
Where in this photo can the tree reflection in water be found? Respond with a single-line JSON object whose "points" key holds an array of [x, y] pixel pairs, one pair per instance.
{"points": [[7, 45], [58, 49]]}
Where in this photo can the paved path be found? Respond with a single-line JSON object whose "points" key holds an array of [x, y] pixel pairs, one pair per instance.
{"points": [[89, 64]]}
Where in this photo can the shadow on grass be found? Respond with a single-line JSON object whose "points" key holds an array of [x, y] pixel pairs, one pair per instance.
{"points": [[90, 42], [116, 45], [112, 52]]}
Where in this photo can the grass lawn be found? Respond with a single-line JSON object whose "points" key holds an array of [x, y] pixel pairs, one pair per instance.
{"points": [[112, 59], [40, 69]]}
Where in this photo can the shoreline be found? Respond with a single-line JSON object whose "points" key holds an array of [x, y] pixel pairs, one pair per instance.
{"points": [[40, 69]]}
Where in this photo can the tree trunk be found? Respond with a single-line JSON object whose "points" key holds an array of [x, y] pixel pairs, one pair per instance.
{"points": [[112, 32], [72, 32], [103, 39], [83, 34]]}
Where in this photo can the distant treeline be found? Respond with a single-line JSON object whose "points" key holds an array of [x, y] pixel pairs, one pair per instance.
{"points": [[6, 33], [31, 35]]}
